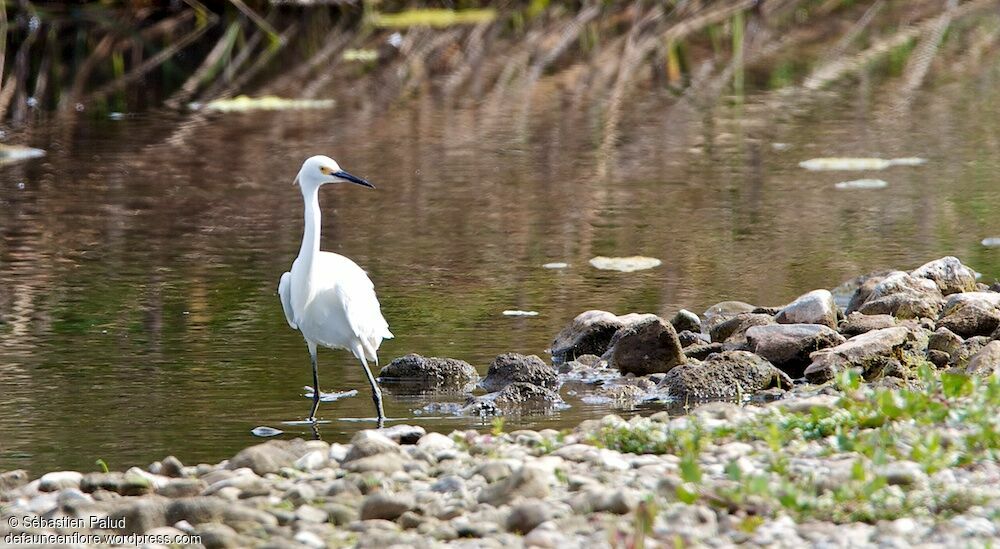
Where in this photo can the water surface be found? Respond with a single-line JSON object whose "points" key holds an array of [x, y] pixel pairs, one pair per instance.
{"points": [[139, 258]]}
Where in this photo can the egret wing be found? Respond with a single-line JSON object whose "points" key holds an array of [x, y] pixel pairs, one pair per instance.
{"points": [[356, 293], [285, 293]]}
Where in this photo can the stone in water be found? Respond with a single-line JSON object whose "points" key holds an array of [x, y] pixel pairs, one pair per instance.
{"points": [[844, 163], [329, 397], [556, 265], [16, 153], [625, 264], [862, 184], [991, 242]]}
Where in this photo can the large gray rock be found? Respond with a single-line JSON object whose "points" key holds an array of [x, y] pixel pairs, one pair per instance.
{"points": [[428, 373], [857, 323], [950, 275], [528, 514], [864, 285], [142, 514], [827, 363], [268, 457], [201, 509], [386, 506], [815, 307], [588, 334], [904, 296], [733, 330], [646, 347], [986, 361], [529, 481], [370, 442], [517, 368], [723, 375], [723, 311], [788, 346], [686, 320], [971, 314]]}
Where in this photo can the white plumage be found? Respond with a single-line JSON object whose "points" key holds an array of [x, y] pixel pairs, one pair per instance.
{"points": [[326, 296]]}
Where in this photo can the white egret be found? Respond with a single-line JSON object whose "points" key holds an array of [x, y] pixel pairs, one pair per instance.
{"points": [[326, 296]]}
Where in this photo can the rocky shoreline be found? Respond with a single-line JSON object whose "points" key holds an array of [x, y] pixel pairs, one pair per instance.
{"points": [[873, 422]]}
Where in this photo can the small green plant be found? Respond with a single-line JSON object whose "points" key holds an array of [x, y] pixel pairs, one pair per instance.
{"points": [[102, 464], [497, 426]]}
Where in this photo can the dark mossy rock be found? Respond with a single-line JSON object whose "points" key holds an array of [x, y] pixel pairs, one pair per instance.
{"points": [[734, 329], [788, 346], [421, 372], [646, 347], [723, 375], [857, 323], [514, 398], [972, 314], [589, 333], [517, 368]]}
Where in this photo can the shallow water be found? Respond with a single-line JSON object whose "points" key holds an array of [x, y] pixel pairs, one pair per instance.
{"points": [[139, 258]]}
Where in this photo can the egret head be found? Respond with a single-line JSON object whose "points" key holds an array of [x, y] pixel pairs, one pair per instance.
{"points": [[320, 170]]}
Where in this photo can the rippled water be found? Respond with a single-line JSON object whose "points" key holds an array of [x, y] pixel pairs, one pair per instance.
{"points": [[139, 258]]}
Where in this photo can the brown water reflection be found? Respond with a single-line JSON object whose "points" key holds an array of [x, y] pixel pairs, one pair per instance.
{"points": [[139, 259]]}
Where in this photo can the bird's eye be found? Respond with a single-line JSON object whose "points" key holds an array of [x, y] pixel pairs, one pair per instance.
{"points": [[325, 170]]}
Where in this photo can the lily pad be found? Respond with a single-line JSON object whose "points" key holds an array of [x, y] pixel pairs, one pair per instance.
{"points": [[862, 184], [10, 154], [625, 264], [555, 265], [360, 55], [244, 103], [991, 242], [265, 431], [515, 312]]}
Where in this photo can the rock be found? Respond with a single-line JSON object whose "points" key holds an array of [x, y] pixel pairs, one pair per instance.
{"points": [[403, 434], [950, 275], [421, 372], [218, 536], [525, 516], [857, 323], [370, 442], [903, 296], [970, 347], [299, 494], [435, 442], [986, 361], [494, 470], [511, 399], [688, 338], [701, 352], [59, 480], [646, 347], [815, 307], [788, 346], [312, 460], [381, 463], [182, 488], [827, 363], [968, 316], [944, 340], [310, 539], [723, 311], [386, 506], [723, 375], [10, 480], [142, 514], [308, 513], [863, 289], [172, 467], [529, 481], [202, 509], [605, 500], [589, 333], [685, 320], [516, 368], [734, 329], [268, 457]]}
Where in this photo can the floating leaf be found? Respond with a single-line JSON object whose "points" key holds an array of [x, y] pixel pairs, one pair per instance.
{"points": [[991, 242], [625, 264], [10, 154], [265, 431], [858, 164], [556, 265], [433, 18], [514, 312], [245, 103], [360, 55], [862, 184], [329, 397]]}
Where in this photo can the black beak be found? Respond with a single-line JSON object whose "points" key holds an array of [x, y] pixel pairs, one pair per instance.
{"points": [[353, 179]]}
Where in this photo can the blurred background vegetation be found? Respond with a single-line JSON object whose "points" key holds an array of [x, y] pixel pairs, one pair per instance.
{"points": [[110, 56]]}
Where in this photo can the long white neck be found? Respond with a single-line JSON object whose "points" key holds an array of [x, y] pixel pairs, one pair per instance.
{"points": [[311, 231]]}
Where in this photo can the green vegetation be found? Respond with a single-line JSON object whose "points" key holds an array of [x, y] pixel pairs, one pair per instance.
{"points": [[890, 442]]}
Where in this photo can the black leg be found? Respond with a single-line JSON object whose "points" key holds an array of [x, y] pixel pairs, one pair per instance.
{"points": [[315, 365], [376, 394]]}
